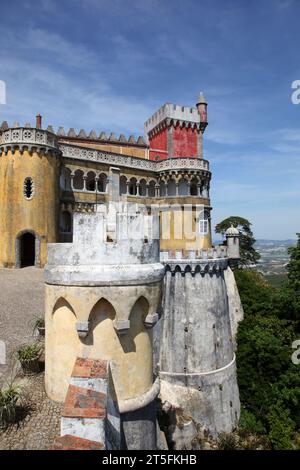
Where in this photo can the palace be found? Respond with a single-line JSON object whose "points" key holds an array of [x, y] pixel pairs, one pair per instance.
{"points": [[140, 308], [45, 176]]}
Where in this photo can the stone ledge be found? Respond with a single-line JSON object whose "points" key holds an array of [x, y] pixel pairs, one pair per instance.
{"points": [[69, 442], [84, 403]]}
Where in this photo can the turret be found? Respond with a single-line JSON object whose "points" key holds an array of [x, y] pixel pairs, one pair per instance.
{"points": [[233, 245], [175, 131], [101, 303], [29, 193]]}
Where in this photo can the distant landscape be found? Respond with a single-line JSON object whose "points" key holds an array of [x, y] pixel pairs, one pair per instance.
{"points": [[274, 258]]}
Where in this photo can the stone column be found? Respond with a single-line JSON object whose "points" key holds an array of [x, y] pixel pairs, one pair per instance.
{"points": [[113, 183], [84, 182]]}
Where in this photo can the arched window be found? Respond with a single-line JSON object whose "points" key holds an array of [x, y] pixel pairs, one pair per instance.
{"points": [[132, 187], [142, 188], [171, 188], [162, 188], [90, 181], [28, 188], [151, 189], [183, 188]]}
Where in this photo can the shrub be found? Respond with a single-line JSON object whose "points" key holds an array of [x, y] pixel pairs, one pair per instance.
{"points": [[29, 352], [39, 323], [250, 424], [8, 404], [228, 441], [282, 427]]}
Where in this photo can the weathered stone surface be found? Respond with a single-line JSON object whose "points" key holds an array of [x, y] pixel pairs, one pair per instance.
{"points": [[199, 374], [236, 311]]}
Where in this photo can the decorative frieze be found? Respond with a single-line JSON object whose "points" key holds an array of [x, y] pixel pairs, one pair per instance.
{"points": [[81, 153]]}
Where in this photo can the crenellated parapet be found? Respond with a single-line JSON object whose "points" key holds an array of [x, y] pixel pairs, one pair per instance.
{"points": [[195, 266], [172, 114], [30, 139]]}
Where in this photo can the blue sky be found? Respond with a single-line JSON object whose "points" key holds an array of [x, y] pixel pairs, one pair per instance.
{"points": [[109, 64]]}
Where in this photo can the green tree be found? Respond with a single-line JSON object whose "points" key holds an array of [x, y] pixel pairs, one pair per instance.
{"points": [[293, 267], [269, 382], [247, 251]]}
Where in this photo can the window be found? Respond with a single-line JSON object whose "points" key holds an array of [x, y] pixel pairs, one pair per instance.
{"points": [[28, 188], [203, 227]]}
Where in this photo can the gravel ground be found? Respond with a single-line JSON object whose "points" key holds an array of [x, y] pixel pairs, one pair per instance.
{"points": [[39, 419], [21, 302]]}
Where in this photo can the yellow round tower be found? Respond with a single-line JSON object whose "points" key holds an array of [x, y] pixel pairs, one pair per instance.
{"points": [[29, 194]]}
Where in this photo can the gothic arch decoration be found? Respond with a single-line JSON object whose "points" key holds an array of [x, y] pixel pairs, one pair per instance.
{"points": [[62, 302], [99, 328], [19, 248]]}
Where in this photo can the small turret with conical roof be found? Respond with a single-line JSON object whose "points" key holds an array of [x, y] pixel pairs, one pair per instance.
{"points": [[233, 244]]}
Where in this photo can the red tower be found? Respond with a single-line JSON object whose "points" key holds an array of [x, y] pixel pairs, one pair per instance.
{"points": [[177, 131]]}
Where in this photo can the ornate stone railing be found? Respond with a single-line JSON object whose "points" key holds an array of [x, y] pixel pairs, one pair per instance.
{"points": [[182, 163], [219, 251], [28, 137], [82, 153]]}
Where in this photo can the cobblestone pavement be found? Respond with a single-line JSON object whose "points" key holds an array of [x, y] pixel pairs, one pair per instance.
{"points": [[39, 423], [21, 302]]}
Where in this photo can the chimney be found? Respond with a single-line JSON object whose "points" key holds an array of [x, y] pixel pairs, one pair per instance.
{"points": [[38, 121]]}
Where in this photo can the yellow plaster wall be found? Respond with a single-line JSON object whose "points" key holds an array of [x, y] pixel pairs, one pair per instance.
{"points": [[39, 214], [179, 231]]}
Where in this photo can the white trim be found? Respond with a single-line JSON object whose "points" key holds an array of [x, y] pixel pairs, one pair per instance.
{"points": [[192, 374]]}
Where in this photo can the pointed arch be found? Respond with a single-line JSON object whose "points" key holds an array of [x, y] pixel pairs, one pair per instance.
{"points": [[65, 346], [102, 337]]}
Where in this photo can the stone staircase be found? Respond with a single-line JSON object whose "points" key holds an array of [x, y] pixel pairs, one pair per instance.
{"points": [[90, 418]]}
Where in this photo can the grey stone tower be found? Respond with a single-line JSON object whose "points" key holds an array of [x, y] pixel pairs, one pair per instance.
{"points": [[197, 360]]}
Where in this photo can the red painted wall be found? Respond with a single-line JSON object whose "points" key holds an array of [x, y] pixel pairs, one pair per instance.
{"points": [[184, 142], [159, 142]]}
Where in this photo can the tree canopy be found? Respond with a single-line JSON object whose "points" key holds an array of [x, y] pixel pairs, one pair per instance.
{"points": [[268, 380]]}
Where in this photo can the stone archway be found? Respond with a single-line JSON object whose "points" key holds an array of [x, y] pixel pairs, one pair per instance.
{"points": [[27, 249]]}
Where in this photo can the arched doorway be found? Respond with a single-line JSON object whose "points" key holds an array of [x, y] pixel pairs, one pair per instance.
{"points": [[27, 249]]}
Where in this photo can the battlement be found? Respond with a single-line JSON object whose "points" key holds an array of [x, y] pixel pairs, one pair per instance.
{"points": [[174, 112], [72, 134]]}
